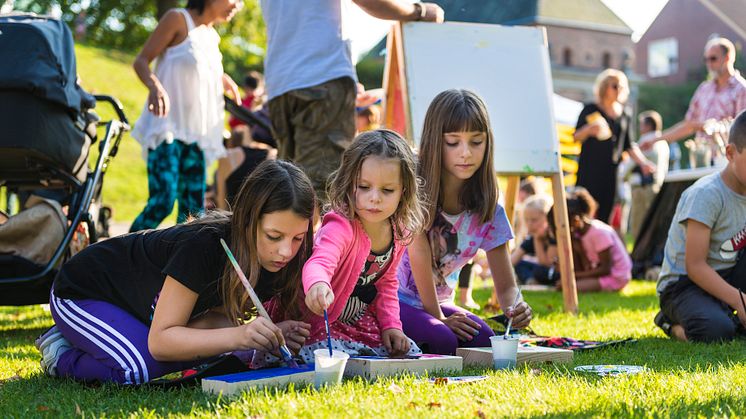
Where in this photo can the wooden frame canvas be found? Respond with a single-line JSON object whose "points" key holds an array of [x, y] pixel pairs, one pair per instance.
{"points": [[509, 68]]}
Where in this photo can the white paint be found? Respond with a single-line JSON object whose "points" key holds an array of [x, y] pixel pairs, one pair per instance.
{"points": [[508, 66]]}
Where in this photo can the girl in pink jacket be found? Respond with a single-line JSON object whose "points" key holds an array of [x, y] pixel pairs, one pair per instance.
{"points": [[373, 212]]}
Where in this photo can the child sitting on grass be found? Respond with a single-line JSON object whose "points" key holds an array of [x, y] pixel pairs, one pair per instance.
{"points": [[702, 278], [601, 260], [535, 258]]}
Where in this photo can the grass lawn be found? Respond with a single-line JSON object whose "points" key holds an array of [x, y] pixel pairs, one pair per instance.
{"points": [[681, 379], [111, 73]]}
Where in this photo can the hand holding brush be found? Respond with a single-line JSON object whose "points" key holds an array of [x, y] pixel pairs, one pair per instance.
{"points": [[284, 351]]}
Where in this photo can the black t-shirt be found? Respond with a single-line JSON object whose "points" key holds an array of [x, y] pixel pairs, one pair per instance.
{"points": [[129, 271], [528, 245]]}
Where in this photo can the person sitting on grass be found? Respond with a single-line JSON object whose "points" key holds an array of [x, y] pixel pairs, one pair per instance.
{"points": [[139, 306], [702, 279], [534, 260], [600, 258]]}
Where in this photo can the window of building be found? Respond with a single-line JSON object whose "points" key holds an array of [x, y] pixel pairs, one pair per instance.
{"points": [[567, 57], [663, 57], [606, 60]]}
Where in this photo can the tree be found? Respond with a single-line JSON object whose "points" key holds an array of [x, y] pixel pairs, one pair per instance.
{"points": [[126, 24]]}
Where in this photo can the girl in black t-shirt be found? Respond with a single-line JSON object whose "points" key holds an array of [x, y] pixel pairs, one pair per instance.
{"points": [[138, 306]]}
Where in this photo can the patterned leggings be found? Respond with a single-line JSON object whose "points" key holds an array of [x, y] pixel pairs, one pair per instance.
{"points": [[176, 172]]}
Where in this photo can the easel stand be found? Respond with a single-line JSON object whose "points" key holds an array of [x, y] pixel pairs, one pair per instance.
{"points": [[401, 91]]}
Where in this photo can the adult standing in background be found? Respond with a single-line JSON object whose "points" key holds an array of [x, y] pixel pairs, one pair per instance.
{"points": [[181, 125], [605, 130], [310, 78], [719, 98]]}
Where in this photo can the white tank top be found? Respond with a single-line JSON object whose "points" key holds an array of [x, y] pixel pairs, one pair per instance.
{"points": [[191, 73]]}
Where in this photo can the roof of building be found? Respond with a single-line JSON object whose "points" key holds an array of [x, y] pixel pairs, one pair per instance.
{"points": [[582, 14]]}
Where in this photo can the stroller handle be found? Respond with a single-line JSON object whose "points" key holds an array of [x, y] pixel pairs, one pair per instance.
{"points": [[117, 105]]}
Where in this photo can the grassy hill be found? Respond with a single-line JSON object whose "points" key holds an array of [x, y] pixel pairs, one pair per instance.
{"points": [[111, 73]]}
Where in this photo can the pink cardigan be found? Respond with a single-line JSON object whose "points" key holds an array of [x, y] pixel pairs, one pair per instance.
{"points": [[339, 253]]}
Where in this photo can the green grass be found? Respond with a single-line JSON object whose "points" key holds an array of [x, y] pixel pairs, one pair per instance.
{"points": [[111, 73], [681, 379]]}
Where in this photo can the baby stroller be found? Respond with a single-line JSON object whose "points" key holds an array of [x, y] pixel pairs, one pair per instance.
{"points": [[48, 129]]}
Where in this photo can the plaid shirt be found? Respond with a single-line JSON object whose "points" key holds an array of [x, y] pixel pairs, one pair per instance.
{"points": [[710, 103]]}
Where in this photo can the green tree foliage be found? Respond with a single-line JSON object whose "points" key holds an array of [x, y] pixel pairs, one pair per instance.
{"points": [[126, 24]]}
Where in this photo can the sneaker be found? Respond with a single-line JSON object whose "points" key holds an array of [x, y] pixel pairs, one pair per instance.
{"points": [[52, 345], [663, 322]]}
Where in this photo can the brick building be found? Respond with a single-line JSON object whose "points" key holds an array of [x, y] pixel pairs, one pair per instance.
{"points": [[584, 37], [670, 51]]}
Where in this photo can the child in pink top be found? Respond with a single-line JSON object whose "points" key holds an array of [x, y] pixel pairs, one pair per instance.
{"points": [[601, 260], [374, 211]]}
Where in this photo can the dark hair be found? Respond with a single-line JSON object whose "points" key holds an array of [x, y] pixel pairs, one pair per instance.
{"points": [[198, 5], [737, 134], [275, 185], [652, 119], [253, 80], [457, 110], [579, 203]]}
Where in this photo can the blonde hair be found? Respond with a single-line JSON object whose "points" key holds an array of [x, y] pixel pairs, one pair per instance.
{"points": [[457, 110], [409, 217], [604, 80], [539, 202]]}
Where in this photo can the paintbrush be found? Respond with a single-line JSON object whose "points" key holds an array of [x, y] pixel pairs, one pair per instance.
{"points": [[284, 351], [328, 335], [510, 320]]}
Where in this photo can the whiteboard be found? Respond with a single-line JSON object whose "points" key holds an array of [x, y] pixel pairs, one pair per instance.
{"points": [[508, 66]]}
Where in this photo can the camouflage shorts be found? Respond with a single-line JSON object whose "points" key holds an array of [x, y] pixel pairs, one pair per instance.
{"points": [[314, 125]]}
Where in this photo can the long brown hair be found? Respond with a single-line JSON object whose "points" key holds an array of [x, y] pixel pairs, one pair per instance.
{"points": [[275, 185], [457, 110], [408, 219]]}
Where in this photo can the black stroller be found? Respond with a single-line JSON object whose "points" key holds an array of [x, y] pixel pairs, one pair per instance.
{"points": [[47, 129]]}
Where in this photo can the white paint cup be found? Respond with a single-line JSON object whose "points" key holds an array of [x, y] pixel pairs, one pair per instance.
{"points": [[328, 370], [504, 352]]}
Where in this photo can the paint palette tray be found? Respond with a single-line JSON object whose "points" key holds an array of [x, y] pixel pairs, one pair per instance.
{"points": [[482, 357], [230, 384], [370, 367]]}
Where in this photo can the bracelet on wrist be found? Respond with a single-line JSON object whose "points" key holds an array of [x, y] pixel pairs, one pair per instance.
{"points": [[419, 11]]}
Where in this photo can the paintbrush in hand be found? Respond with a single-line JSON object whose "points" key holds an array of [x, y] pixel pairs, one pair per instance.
{"points": [[510, 320], [328, 335], [284, 351]]}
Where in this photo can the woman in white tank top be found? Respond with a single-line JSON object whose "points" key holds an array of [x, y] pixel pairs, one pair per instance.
{"points": [[181, 125]]}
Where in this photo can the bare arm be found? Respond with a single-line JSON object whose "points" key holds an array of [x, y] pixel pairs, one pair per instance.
{"points": [[164, 35], [230, 86], [542, 247], [517, 255], [646, 165], [586, 131], [173, 337], [506, 288], [603, 268], [400, 10], [681, 130], [702, 274], [420, 260]]}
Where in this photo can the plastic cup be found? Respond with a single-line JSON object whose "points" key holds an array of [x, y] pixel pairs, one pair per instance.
{"points": [[605, 132], [504, 352], [328, 370]]}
